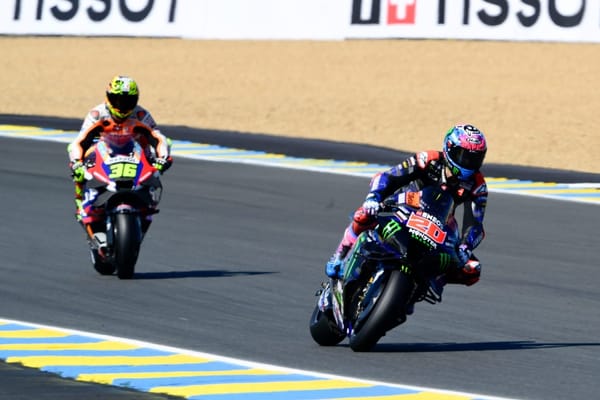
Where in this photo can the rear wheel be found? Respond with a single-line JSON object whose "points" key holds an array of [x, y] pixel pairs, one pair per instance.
{"points": [[388, 312], [126, 245]]}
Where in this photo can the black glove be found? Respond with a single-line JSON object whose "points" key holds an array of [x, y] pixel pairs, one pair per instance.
{"points": [[162, 164]]}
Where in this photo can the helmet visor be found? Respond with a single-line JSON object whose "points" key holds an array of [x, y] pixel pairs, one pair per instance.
{"points": [[464, 158], [123, 102]]}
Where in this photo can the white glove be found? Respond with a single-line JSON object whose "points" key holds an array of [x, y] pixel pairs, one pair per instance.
{"points": [[371, 204]]}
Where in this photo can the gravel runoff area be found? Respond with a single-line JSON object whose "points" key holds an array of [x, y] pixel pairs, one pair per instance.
{"points": [[536, 102]]}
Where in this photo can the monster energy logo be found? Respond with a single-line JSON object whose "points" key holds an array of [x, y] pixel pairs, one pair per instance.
{"points": [[444, 261], [391, 229]]}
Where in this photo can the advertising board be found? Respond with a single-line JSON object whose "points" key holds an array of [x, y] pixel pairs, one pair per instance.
{"points": [[90, 17], [517, 20], [532, 20]]}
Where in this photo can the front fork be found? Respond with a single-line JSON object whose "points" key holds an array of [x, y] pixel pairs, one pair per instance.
{"points": [[103, 240], [330, 297], [332, 294]]}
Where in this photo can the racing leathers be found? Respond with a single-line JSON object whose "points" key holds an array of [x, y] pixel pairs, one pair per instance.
{"points": [[86, 137], [156, 146], [421, 170]]}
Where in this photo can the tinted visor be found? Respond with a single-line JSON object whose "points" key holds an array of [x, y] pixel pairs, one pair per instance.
{"points": [[467, 159], [123, 102]]}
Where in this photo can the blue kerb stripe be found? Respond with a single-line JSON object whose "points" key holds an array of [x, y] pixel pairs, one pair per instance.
{"points": [[53, 133], [189, 145], [349, 166], [310, 394], [542, 191], [527, 187], [224, 153], [147, 384], [511, 182], [228, 153], [576, 195], [74, 371], [63, 339], [142, 352], [15, 327], [177, 146]]}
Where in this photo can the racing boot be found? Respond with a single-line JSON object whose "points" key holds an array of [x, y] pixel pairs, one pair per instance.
{"points": [[96, 238], [333, 268], [100, 241], [436, 286], [361, 221], [79, 212]]}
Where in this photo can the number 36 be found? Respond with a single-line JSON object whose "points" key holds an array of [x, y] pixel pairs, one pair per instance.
{"points": [[122, 170]]}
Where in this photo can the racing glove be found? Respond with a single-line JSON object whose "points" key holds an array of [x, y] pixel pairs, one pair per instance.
{"points": [[371, 204], [77, 171], [163, 163], [471, 272], [469, 268], [464, 254]]}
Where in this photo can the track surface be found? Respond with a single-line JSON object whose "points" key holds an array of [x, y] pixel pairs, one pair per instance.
{"points": [[233, 260]]}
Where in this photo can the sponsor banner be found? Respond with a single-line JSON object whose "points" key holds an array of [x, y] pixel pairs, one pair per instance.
{"points": [[532, 20], [196, 19], [150, 18], [266, 19]]}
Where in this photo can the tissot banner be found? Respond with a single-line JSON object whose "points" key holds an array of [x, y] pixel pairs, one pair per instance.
{"points": [[551, 20], [532, 20], [90, 17], [265, 19]]}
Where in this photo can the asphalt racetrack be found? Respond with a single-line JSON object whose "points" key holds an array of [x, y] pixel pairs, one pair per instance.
{"points": [[233, 260]]}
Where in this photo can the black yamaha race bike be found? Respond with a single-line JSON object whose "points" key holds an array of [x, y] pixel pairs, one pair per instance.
{"points": [[388, 270]]}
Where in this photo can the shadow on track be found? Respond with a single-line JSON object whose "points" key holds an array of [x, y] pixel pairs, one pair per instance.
{"points": [[195, 274], [475, 346]]}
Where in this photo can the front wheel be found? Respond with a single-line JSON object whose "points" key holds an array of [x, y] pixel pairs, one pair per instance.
{"points": [[389, 311], [126, 245], [323, 328]]}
